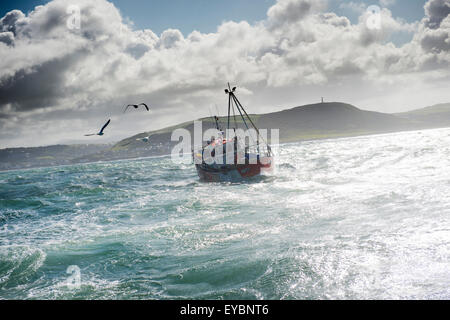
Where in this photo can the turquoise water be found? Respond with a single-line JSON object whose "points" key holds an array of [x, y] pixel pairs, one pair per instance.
{"points": [[353, 218]]}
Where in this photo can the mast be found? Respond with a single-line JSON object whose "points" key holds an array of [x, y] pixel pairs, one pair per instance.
{"points": [[232, 98], [216, 119], [229, 106]]}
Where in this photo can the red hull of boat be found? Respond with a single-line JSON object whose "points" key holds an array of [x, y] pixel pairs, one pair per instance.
{"points": [[234, 172]]}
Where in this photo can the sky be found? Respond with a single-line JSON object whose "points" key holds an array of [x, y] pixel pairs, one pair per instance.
{"points": [[207, 15], [60, 79]]}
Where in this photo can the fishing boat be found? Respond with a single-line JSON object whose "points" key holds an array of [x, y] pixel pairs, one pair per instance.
{"points": [[228, 158]]}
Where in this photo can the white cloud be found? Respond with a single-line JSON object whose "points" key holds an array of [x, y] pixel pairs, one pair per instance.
{"points": [[53, 78], [292, 11]]}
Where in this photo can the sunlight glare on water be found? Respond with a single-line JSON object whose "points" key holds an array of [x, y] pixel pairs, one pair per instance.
{"points": [[351, 218]]}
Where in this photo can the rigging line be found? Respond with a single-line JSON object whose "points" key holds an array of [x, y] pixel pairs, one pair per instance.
{"points": [[217, 110], [243, 119], [234, 117], [242, 116], [210, 114], [249, 119], [215, 123], [259, 135]]}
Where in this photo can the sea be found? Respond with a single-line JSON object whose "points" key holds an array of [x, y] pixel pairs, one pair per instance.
{"points": [[351, 218]]}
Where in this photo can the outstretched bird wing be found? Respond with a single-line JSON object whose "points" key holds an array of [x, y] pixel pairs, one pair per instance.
{"points": [[146, 107], [130, 105], [106, 124]]}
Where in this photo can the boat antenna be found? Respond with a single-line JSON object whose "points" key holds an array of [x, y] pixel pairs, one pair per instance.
{"points": [[217, 109], [215, 119]]}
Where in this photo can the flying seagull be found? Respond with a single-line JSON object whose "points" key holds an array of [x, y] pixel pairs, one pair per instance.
{"points": [[136, 106], [144, 139], [101, 131]]}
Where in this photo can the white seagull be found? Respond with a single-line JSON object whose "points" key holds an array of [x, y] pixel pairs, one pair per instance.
{"points": [[144, 139]]}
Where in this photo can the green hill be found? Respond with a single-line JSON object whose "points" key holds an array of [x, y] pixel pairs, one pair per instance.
{"points": [[314, 121], [434, 116]]}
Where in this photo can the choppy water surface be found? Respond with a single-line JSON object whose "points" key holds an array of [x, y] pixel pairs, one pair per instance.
{"points": [[353, 218]]}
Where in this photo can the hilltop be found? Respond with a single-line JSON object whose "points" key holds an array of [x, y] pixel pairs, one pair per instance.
{"points": [[314, 121], [308, 122], [433, 116]]}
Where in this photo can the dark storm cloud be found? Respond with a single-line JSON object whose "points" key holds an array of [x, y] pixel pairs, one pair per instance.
{"points": [[435, 36], [38, 87], [11, 21], [436, 41], [7, 38], [52, 77], [436, 11], [44, 51]]}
